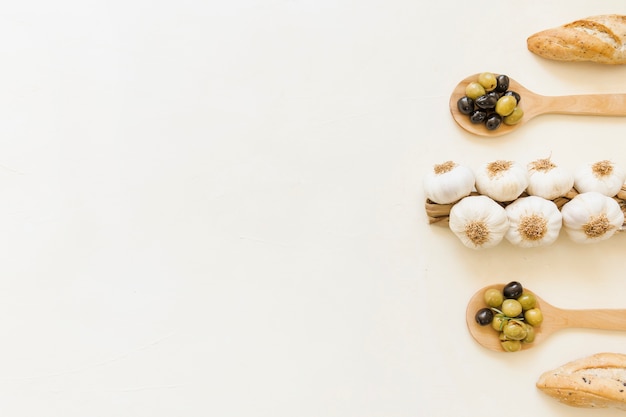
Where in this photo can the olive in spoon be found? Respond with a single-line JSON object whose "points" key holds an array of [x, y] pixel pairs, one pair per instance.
{"points": [[534, 105], [554, 319]]}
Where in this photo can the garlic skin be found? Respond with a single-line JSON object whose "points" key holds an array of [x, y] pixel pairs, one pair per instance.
{"points": [[502, 180], [479, 222], [603, 177], [591, 217], [448, 182], [533, 221], [548, 180]]}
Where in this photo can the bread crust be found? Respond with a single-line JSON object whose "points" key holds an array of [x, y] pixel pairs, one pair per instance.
{"points": [[600, 39], [597, 381]]}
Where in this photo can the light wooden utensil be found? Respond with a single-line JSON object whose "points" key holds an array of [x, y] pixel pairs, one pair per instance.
{"points": [[535, 105], [554, 319]]}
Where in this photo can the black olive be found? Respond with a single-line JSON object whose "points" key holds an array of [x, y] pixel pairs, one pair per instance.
{"points": [[478, 116], [503, 83], [487, 101], [465, 105], [494, 94], [494, 120], [514, 94], [484, 316], [512, 290]]}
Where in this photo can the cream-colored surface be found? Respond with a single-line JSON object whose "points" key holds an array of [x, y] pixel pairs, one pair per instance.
{"points": [[215, 208]]}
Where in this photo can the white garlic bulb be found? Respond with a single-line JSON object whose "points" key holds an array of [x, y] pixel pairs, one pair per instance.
{"points": [[533, 221], [478, 221], [591, 217], [548, 180], [448, 182], [502, 180], [603, 177]]}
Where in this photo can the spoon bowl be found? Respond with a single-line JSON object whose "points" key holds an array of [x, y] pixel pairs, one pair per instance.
{"points": [[534, 105], [554, 319]]}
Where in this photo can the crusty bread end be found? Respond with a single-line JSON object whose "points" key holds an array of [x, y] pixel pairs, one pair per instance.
{"points": [[597, 381], [600, 39]]}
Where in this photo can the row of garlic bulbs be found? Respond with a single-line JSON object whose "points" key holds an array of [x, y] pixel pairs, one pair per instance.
{"points": [[534, 220]]}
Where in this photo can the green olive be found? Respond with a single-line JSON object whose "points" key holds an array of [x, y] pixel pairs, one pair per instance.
{"points": [[527, 300], [498, 322], [511, 307], [493, 297], [534, 317], [505, 105], [530, 334], [488, 80], [474, 90], [514, 117], [514, 330], [511, 345]]}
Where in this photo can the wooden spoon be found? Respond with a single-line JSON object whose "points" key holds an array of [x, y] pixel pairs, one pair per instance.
{"points": [[535, 105], [553, 319]]}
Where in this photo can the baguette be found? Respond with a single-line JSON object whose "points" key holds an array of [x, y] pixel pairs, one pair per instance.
{"points": [[600, 39], [597, 381]]}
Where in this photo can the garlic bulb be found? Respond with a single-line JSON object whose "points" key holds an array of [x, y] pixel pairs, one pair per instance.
{"points": [[448, 182], [502, 180], [478, 221], [591, 217], [533, 221], [604, 177], [548, 180]]}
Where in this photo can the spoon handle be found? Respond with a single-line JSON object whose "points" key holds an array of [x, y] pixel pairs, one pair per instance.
{"points": [[590, 104], [603, 319]]}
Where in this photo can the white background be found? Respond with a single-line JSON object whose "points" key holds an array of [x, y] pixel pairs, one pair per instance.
{"points": [[215, 208]]}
